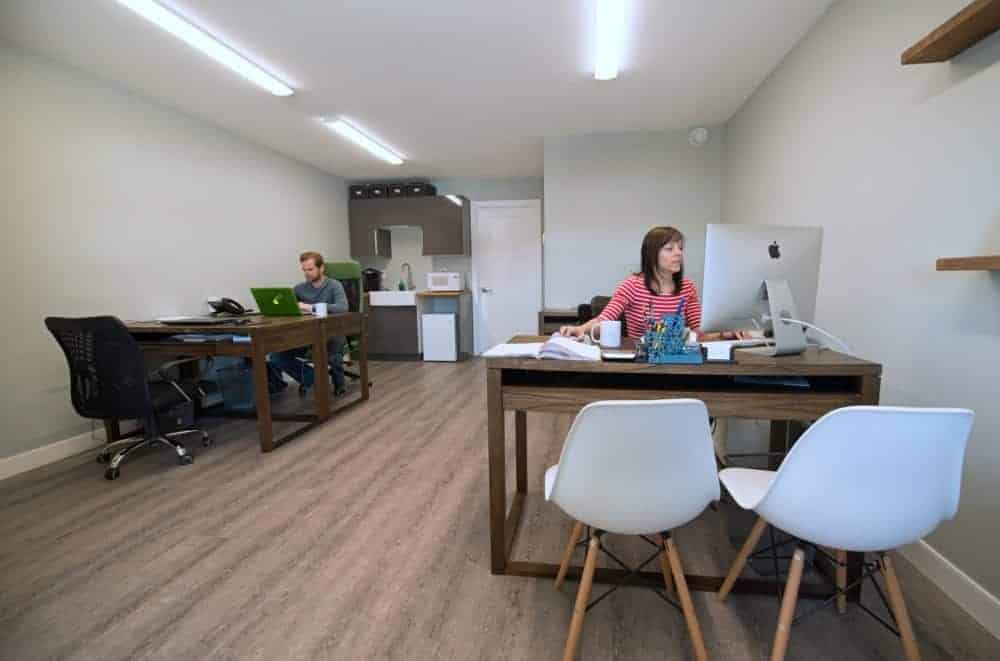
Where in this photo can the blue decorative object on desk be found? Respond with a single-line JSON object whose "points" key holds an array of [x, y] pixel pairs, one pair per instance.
{"points": [[665, 341]]}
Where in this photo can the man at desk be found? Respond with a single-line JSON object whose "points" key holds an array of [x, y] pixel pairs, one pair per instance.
{"points": [[317, 288]]}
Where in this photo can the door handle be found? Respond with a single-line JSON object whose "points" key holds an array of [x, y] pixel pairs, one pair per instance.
{"points": [[485, 290]]}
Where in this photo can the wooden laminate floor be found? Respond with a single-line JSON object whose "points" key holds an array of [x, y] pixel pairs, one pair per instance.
{"points": [[363, 539]]}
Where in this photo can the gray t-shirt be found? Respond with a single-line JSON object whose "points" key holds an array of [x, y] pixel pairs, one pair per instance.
{"points": [[331, 293]]}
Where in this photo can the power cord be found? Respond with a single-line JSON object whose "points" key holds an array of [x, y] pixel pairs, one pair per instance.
{"points": [[843, 345]]}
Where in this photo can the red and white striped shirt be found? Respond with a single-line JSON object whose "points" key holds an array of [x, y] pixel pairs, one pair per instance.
{"points": [[634, 300]]}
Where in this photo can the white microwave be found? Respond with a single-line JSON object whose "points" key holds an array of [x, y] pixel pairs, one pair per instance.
{"points": [[445, 282]]}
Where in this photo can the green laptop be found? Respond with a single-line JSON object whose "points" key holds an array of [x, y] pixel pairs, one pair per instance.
{"points": [[276, 301]]}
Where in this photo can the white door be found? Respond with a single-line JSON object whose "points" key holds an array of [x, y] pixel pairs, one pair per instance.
{"points": [[506, 270]]}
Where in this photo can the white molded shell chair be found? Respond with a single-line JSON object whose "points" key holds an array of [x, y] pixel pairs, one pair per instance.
{"points": [[862, 479], [634, 468]]}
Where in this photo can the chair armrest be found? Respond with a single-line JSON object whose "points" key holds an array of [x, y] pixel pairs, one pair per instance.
{"points": [[162, 368], [161, 371], [584, 313]]}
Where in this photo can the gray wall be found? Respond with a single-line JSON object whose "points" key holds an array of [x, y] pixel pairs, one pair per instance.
{"points": [[900, 166], [602, 194], [111, 204]]}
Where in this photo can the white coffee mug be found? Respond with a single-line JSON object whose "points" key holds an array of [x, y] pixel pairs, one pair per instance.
{"points": [[611, 333], [319, 309]]}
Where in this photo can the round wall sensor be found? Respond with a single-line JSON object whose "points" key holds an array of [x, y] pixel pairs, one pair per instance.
{"points": [[698, 136]]}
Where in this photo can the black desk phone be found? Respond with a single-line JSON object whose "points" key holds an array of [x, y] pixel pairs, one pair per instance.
{"points": [[225, 305]]}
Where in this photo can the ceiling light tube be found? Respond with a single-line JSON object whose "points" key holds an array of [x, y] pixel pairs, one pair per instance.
{"points": [[345, 130], [455, 199], [609, 25], [200, 40]]}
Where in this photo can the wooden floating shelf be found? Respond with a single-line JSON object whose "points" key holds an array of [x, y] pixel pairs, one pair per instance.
{"points": [[969, 26], [984, 263]]}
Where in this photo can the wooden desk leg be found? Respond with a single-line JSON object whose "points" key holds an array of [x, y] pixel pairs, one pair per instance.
{"points": [[321, 373], [521, 449], [363, 359], [497, 471], [778, 443], [870, 389], [261, 396]]}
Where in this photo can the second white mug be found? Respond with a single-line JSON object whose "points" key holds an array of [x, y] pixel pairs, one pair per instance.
{"points": [[611, 333], [319, 309]]}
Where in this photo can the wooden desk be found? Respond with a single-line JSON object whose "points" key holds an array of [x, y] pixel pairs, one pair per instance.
{"points": [[557, 386], [267, 335]]}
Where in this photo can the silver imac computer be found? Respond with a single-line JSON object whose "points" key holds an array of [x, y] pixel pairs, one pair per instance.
{"points": [[758, 274]]}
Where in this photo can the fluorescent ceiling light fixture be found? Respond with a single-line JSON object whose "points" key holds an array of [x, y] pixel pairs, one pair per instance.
{"points": [[200, 40], [455, 199], [610, 30], [345, 130]]}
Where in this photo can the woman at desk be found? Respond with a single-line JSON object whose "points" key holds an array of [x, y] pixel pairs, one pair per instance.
{"points": [[658, 288]]}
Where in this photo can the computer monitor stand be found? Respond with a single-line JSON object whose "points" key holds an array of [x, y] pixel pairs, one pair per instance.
{"points": [[776, 299]]}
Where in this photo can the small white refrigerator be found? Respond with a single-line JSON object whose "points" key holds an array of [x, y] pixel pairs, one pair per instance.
{"points": [[440, 337]]}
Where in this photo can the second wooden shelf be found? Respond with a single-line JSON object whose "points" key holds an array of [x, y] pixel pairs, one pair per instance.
{"points": [[981, 263]]}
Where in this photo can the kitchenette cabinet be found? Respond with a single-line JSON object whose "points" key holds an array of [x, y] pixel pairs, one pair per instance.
{"points": [[392, 332], [446, 226]]}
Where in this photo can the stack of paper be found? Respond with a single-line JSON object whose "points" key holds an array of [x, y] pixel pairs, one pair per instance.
{"points": [[526, 350], [563, 348]]}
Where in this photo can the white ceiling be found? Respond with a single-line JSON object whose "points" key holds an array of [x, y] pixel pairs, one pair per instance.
{"points": [[460, 87]]}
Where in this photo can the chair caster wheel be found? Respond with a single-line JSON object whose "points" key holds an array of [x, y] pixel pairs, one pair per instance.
{"points": [[206, 441], [186, 460], [111, 474], [103, 458]]}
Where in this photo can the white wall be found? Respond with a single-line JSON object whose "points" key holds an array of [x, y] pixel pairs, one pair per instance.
{"points": [[900, 166], [111, 204], [603, 193]]}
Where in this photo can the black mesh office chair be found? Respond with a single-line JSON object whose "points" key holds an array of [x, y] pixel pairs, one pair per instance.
{"points": [[108, 380]]}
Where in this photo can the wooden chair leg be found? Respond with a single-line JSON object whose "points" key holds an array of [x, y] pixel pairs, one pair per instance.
{"points": [[668, 580], [582, 597], [697, 642], [741, 560], [899, 610], [788, 606], [841, 557], [574, 537]]}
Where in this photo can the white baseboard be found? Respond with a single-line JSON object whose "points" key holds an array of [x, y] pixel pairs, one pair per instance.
{"points": [[47, 454], [969, 595]]}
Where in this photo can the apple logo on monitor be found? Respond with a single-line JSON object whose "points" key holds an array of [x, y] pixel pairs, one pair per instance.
{"points": [[773, 250]]}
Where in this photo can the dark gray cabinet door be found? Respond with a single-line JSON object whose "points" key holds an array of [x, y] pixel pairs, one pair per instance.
{"points": [[367, 239], [443, 236], [392, 330], [360, 231]]}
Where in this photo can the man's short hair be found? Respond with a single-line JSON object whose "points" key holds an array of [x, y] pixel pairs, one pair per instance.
{"points": [[316, 258]]}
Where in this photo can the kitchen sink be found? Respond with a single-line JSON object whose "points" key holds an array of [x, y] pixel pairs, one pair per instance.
{"points": [[392, 298]]}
